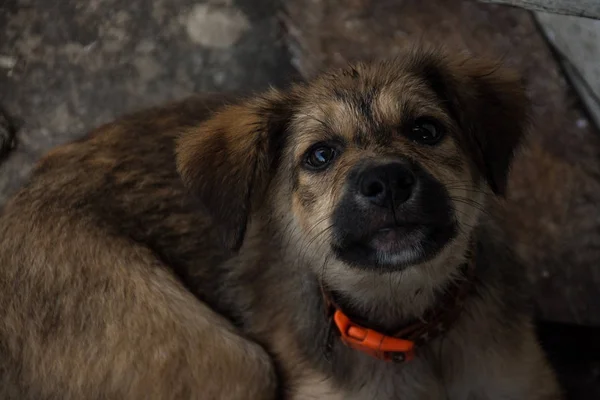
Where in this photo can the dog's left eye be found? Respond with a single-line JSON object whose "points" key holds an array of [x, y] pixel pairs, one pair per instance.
{"points": [[426, 131], [319, 157]]}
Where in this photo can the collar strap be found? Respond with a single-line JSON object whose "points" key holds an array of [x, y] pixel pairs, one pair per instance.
{"points": [[371, 342], [401, 346]]}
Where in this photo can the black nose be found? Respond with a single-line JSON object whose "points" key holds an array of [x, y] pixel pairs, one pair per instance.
{"points": [[386, 185]]}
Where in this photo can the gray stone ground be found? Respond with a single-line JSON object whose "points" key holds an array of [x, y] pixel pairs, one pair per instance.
{"points": [[67, 66]]}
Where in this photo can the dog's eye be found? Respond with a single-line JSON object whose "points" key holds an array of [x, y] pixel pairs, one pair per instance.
{"points": [[319, 157], [426, 131]]}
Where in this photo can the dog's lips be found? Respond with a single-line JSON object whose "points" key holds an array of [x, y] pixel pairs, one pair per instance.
{"points": [[396, 247], [395, 239]]}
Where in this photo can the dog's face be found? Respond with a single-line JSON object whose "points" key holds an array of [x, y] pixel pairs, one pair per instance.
{"points": [[376, 167]]}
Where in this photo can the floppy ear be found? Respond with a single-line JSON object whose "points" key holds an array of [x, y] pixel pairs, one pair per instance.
{"points": [[490, 106], [227, 161]]}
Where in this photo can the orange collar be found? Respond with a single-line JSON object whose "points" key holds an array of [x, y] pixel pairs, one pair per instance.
{"points": [[401, 346]]}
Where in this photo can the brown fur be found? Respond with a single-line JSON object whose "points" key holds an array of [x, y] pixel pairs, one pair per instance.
{"points": [[129, 272]]}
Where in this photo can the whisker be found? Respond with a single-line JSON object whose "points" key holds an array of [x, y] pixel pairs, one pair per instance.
{"points": [[306, 246]]}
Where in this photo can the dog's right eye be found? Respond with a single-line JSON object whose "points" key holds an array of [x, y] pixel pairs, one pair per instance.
{"points": [[319, 157]]}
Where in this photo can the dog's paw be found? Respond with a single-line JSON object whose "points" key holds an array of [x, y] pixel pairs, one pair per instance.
{"points": [[7, 135]]}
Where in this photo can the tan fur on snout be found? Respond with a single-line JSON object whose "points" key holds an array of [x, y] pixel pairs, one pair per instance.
{"points": [[178, 253]]}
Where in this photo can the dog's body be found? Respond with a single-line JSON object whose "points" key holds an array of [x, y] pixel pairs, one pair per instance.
{"points": [[115, 283]]}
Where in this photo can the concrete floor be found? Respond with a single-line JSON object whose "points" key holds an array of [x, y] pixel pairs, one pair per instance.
{"points": [[67, 66]]}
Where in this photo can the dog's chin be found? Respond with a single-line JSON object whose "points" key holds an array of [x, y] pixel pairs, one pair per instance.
{"points": [[396, 248]]}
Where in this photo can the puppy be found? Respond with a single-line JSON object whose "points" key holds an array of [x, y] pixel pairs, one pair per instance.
{"points": [[332, 241]]}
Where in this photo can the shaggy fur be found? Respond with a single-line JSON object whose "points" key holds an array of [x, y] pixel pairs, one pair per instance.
{"points": [[178, 253]]}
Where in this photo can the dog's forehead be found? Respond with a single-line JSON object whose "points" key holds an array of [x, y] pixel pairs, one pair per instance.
{"points": [[362, 104]]}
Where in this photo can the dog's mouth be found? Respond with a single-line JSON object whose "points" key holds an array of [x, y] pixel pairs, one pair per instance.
{"points": [[395, 247], [392, 215], [393, 239]]}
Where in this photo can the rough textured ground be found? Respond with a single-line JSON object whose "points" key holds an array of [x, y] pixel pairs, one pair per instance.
{"points": [[577, 41], [66, 66]]}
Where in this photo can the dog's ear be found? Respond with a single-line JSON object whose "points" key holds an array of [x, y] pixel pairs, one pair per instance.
{"points": [[489, 104], [228, 161]]}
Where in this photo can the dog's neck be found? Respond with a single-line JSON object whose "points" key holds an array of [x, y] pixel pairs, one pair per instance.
{"points": [[383, 301], [389, 300]]}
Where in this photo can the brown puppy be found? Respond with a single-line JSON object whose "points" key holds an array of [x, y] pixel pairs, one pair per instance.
{"points": [[201, 250]]}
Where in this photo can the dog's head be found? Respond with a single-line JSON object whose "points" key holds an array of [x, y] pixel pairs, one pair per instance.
{"points": [[374, 168]]}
